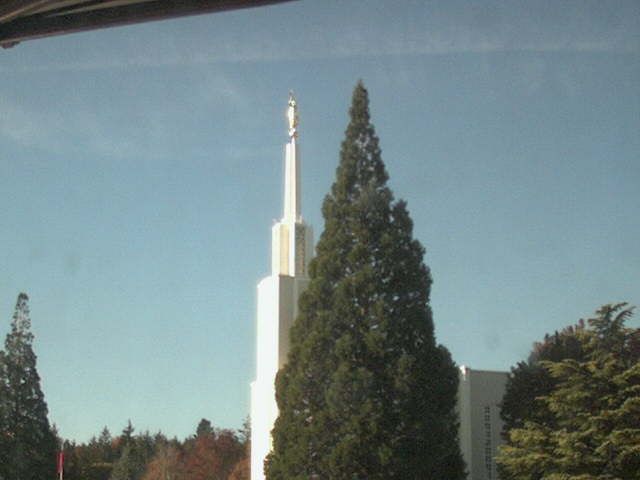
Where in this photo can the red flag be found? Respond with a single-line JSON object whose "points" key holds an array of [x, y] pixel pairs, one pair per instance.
{"points": [[60, 462]]}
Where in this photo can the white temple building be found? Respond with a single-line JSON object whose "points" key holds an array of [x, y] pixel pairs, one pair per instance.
{"points": [[480, 395], [291, 251], [479, 392]]}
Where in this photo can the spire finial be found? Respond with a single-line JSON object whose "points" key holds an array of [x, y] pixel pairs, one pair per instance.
{"points": [[292, 115]]}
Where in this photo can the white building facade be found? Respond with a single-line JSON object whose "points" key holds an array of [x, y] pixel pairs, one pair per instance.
{"points": [[480, 395], [291, 251]]}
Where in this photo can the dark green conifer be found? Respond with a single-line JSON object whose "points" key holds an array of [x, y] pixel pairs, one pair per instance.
{"points": [[127, 432], [530, 381], [128, 466], [205, 428], [594, 432], [28, 442], [366, 393]]}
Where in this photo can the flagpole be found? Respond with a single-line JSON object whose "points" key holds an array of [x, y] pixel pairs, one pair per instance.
{"points": [[60, 464]]}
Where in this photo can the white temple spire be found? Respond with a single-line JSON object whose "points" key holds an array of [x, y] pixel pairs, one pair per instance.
{"points": [[292, 115], [292, 207], [292, 248]]}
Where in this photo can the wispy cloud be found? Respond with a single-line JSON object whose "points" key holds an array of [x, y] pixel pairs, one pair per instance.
{"points": [[77, 130], [83, 123], [333, 31]]}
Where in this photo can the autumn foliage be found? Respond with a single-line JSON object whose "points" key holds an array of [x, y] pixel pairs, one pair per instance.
{"points": [[210, 454]]}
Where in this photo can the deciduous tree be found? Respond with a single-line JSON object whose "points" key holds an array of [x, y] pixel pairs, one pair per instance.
{"points": [[212, 453], [167, 463], [242, 470]]}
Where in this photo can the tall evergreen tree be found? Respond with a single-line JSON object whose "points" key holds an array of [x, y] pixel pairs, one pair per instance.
{"points": [[28, 442], [529, 380], [137, 452], [594, 433], [128, 466], [126, 437], [105, 445], [204, 428], [366, 393]]}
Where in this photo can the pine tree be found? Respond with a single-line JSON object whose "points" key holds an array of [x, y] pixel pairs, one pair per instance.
{"points": [[28, 442], [128, 466], [529, 380], [127, 433], [105, 445], [595, 404], [366, 393], [204, 428], [137, 452]]}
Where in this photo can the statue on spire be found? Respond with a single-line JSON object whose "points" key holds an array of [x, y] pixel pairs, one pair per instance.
{"points": [[292, 116]]}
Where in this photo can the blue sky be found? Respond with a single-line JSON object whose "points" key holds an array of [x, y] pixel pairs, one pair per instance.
{"points": [[141, 171]]}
